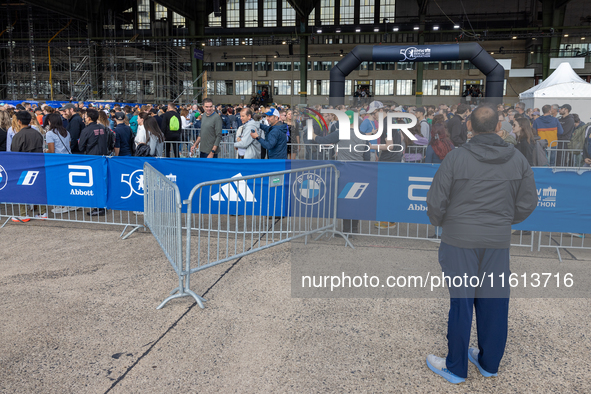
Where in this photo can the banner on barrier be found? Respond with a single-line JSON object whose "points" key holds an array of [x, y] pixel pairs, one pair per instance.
{"points": [[394, 192]]}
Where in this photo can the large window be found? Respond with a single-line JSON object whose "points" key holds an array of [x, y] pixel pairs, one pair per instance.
{"points": [[132, 87], [387, 10], [322, 66], [365, 66], [449, 87], [224, 66], [347, 12], [282, 87], [282, 66], [214, 21], [451, 65], [385, 66], [404, 87], [429, 87], [348, 87], [384, 87], [327, 12], [243, 66], [297, 90], [262, 66], [178, 21], [224, 88], [207, 66], [366, 11], [143, 14], [233, 13], [430, 65], [210, 88], [406, 66], [251, 13], [148, 86], [243, 87], [270, 13], [321, 87], [160, 12], [289, 15]]}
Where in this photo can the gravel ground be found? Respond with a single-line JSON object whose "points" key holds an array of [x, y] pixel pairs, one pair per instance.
{"points": [[78, 316]]}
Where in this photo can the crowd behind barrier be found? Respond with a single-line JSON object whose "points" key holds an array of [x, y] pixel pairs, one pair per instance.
{"points": [[559, 140]]}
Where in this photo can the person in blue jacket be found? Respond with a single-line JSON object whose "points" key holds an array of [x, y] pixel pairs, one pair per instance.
{"points": [[275, 140]]}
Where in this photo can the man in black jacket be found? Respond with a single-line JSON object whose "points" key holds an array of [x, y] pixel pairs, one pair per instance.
{"points": [[75, 126], [169, 134], [458, 133], [27, 139], [479, 191]]}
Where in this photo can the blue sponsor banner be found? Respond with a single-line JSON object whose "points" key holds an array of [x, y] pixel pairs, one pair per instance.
{"points": [[358, 190], [76, 180], [23, 178], [126, 182]]}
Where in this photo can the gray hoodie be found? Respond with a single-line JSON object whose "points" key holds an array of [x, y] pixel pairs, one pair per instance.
{"points": [[479, 191], [251, 146]]}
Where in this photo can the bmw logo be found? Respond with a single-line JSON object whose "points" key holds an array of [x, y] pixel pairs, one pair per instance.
{"points": [[309, 189], [3, 178]]}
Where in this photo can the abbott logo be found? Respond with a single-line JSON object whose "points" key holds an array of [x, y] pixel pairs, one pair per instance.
{"points": [[27, 178], [235, 191], [87, 174], [413, 187], [353, 190]]}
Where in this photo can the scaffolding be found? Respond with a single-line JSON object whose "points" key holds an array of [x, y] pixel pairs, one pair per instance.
{"points": [[122, 66]]}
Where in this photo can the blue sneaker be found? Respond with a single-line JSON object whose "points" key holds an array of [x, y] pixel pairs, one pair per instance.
{"points": [[437, 365], [473, 357]]}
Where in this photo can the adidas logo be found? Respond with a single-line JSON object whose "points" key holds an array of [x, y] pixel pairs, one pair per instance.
{"points": [[235, 191]]}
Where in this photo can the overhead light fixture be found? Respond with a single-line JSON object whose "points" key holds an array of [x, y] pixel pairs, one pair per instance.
{"points": [[338, 30], [243, 42], [566, 35], [533, 38], [395, 29], [274, 56], [415, 28], [183, 47], [243, 58], [376, 29], [456, 26], [202, 44], [515, 37], [284, 42], [308, 55], [357, 30], [492, 53], [582, 38], [319, 31], [435, 27], [341, 54], [532, 52]]}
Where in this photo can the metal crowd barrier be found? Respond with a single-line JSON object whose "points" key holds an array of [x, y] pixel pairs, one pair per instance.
{"points": [[563, 241], [416, 231], [128, 219], [253, 213]]}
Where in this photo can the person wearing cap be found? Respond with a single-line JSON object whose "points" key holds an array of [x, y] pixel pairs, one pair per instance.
{"points": [[275, 138], [210, 136], [422, 121], [124, 136], [74, 127]]}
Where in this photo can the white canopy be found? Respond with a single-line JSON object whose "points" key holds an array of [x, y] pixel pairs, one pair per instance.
{"points": [[563, 86]]}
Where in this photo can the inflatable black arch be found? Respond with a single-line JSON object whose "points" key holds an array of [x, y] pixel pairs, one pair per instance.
{"points": [[495, 73]]}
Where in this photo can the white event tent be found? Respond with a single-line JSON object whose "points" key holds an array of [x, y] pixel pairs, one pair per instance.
{"points": [[563, 86]]}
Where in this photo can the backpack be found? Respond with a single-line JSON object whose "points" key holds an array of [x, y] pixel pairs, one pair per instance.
{"points": [[173, 124], [143, 150]]}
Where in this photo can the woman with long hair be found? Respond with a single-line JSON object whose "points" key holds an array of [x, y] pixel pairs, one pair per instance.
{"points": [[294, 135], [526, 141], [153, 136], [440, 144], [14, 128], [103, 119], [57, 137], [5, 124]]}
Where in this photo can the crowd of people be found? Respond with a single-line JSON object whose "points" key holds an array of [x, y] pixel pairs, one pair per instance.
{"points": [[551, 136]]}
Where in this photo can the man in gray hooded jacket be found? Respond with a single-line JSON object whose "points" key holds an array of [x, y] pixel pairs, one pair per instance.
{"points": [[248, 147], [479, 191]]}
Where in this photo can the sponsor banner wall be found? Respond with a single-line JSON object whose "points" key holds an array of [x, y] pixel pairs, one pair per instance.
{"points": [[394, 192]]}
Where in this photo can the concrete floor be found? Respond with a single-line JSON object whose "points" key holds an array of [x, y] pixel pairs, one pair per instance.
{"points": [[78, 309]]}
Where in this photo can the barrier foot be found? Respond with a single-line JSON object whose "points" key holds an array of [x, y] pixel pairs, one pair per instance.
{"points": [[187, 293], [559, 256], [131, 232], [4, 224], [198, 299], [175, 290]]}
